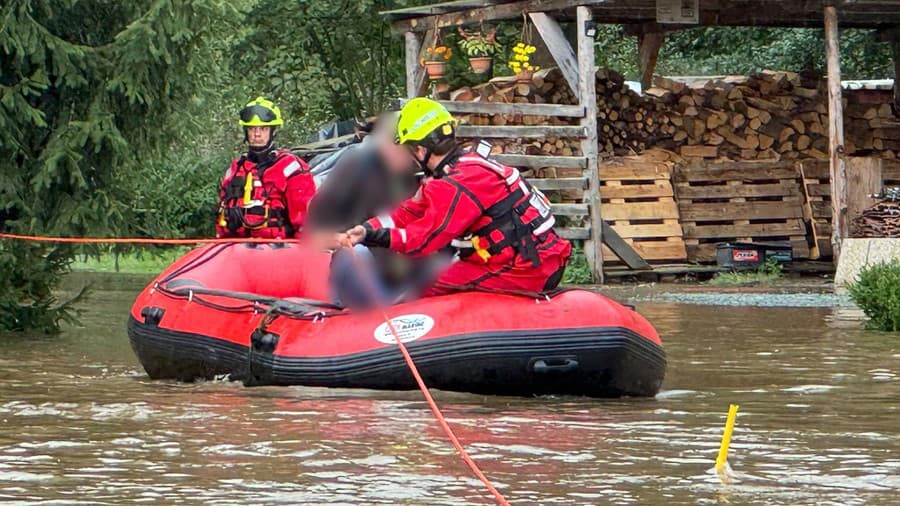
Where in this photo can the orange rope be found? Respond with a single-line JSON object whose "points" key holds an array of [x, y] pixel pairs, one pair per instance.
{"points": [[425, 392], [142, 240]]}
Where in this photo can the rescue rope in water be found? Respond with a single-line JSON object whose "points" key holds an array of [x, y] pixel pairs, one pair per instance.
{"points": [[435, 409], [424, 388], [142, 240]]}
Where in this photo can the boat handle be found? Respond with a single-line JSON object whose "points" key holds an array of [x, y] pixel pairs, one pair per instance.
{"points": [[554, 365]]}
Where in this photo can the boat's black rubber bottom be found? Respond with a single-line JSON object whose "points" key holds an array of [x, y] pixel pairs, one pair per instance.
{"points": [[598, 362]]}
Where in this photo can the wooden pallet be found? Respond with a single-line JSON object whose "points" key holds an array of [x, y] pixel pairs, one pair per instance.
{"points": [[816, 177], [638, 202], [740, 201]]}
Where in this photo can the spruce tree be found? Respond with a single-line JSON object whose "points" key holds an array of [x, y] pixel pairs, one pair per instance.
{"points": [[89, 91]]}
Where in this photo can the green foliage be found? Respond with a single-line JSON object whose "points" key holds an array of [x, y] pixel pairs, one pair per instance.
{"points": [[768, 272], [321, 60], [578, 272], [82, 105], [479, 44], [715, 51], [877, 292]]}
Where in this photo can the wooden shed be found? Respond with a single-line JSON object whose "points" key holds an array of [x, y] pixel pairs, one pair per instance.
{"points": [[648, 20]]}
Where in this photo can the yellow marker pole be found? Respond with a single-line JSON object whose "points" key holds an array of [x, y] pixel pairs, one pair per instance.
{"points": [[722, 459]]}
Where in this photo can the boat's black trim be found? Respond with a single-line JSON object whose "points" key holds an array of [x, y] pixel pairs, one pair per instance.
{"points": [[601, 362]]}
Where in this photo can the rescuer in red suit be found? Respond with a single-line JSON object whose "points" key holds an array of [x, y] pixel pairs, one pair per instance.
{"points": [[266, 192], [501, 227]]}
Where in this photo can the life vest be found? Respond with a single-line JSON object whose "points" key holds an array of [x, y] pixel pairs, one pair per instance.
{"points": [[521, 220], [247, 205]]}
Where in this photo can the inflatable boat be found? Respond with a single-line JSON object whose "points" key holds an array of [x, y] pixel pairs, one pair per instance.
{"points": [[257, 313]]}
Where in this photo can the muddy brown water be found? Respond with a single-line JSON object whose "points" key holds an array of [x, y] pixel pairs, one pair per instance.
{"points": [[820, 399]]}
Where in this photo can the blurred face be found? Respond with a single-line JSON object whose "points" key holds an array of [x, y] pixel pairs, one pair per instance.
{"points": [[259, 136], [398, 158]]}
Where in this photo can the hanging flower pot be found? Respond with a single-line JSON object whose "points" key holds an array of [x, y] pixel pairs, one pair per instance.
{"points": [[435, 69], [436, 61], [480, 47], [481, 64]]}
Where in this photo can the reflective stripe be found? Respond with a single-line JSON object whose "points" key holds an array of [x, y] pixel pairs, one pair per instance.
{"points": [[461, 243], [545, 226], [386, 221], [229, 173], [513, 178], [291, 168], [402, 235]]}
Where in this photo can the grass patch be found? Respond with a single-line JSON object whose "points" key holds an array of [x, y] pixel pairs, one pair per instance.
{"points": [[877, 292], [768, 272], [136, 262]]}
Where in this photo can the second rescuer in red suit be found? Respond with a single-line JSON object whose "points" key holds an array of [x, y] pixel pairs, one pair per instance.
{"points": [[501, 226], [266, 192]]}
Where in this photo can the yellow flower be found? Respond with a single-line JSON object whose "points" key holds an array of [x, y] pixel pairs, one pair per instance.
{"points": [[531, 49]]}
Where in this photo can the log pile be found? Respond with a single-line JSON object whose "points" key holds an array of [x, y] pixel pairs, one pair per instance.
{"points": [[871, 125], [882, 219], [770, 115]]}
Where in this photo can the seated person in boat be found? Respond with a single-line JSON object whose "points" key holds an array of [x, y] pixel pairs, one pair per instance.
{"points": [[265, 192], [501, 227], [366, 179]]}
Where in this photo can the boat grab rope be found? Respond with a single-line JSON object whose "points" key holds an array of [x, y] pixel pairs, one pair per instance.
{"points": [[424, 388]]}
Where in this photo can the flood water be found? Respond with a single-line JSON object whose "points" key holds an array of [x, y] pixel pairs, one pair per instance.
{"points": [[818, 424]]}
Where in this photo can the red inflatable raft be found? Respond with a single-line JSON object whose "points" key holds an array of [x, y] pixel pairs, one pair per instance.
{"points": [[255, 313]]}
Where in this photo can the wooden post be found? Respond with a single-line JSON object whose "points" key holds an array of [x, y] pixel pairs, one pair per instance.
{"points": [[648, 52], [895, 44], [840, 221], [587, 97], [415, 73]]}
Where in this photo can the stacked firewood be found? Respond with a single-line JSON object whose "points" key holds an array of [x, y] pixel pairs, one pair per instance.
{"points": [[769, 115], [871, 125], [882, 219], [766, 116]]}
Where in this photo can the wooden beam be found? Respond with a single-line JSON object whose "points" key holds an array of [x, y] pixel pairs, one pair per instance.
{"points": [[570, 209], [520, 132], [587, 97], [415, 73], [840, 221], [558, 45], [532, 161], [622, 249], [648, 52], [489, 13], [561, 111], [574, 233], [561, 183]]}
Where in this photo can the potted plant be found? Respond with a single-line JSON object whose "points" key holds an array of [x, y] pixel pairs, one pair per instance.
{"points": [[520, 62], [436, 57], [480, 47]]}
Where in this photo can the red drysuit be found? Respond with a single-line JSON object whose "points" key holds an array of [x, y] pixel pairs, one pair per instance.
{"points": [[501, 226], [267, 199]]}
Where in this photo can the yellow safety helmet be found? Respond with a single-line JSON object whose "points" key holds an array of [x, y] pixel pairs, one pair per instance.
{"points": [[261, 112], [420, 118]]}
